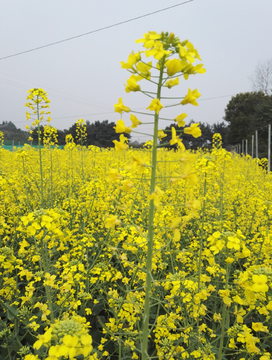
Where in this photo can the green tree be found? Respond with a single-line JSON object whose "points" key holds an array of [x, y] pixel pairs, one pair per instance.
{"points": [[263, 117], [240, 114], [11, 132], [61, 136], [99, 133], [102, 134], [11, 125], [205, 140]]}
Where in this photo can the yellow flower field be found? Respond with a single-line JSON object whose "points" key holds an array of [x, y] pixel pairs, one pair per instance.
{"points": [[123, 253], [80, 257]]}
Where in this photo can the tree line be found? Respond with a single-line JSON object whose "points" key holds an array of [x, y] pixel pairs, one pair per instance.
{"points": [[244, 114], [102, 134]]}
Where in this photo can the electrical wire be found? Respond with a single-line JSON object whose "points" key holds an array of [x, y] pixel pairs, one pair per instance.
{"points": [[216, 97], [95, 31], [111, 112], [65, 97]]}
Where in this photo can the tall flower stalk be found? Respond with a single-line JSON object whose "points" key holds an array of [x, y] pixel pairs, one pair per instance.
{"points": [[38, 103], [150, 225], [81, 136], [173, 59]]}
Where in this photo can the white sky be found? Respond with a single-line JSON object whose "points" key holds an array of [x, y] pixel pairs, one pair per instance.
{"points": [[83, 77]]}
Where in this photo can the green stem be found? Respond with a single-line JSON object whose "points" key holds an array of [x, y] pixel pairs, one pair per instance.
{"points": [[223, 320], [47, 290], [7, 346], [120, 350], [82, 155], [202, 234], [51, 178], [26, 190], [40, 150], [72, 174], [221, 198], [145, 332]]}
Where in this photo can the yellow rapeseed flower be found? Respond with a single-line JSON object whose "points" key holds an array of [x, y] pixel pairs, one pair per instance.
{"points": [[121, 145], [135, 121], [155, 105], [259, 283], [180, 119], [172, 82], [120, 107], [191, 97], [132, 84], [112, 221], [121, 127], [193, 130]]}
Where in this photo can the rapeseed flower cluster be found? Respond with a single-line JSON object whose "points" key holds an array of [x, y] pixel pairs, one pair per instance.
{"points": [[68, 338]]}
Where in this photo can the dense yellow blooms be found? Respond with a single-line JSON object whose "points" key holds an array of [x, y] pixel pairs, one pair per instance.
{"points": [[77, 261], [95, 238]]}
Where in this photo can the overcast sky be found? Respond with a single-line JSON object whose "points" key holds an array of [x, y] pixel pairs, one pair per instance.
{"points": [[83, 77]]}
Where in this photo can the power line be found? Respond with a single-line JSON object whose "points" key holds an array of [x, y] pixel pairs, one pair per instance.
{"points": [[216, 97], [12, 83], [52, 96], [94, 31], [85, 102], [111, 112]]}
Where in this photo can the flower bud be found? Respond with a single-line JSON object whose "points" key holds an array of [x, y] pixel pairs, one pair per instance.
{"points": [[183, 43], [171, 38]]}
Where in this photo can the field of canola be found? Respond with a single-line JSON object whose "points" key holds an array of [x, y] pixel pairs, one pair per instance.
{"points": [[73, 264], [119, 254]]}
